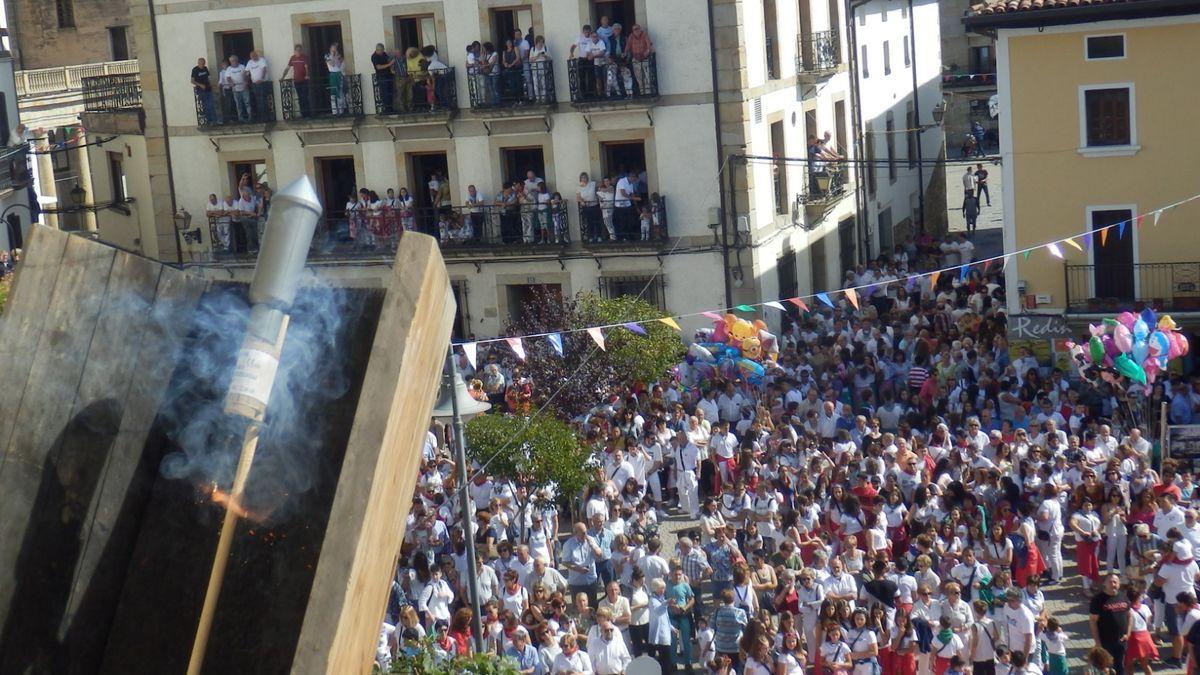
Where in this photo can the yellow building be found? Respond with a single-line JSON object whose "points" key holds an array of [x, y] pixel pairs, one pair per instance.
{"points": [[1096, 127]]}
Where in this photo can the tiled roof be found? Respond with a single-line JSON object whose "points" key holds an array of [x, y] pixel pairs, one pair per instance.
{"points": [[1015, 6]]}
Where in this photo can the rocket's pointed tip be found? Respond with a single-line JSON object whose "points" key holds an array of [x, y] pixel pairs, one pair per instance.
{"points": [[301, 190]]}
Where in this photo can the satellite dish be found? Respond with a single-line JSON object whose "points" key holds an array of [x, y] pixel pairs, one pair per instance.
{"points": [[644, 665]]}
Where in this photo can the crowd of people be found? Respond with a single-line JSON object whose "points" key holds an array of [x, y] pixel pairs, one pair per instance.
{"points": [[236, 223], [894, 497]]}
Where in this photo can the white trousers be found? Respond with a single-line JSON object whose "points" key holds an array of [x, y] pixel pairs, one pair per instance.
{"points": [[689, 493]]}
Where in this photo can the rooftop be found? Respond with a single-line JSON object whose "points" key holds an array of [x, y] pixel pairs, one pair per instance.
{"points": [[1013, 13]]}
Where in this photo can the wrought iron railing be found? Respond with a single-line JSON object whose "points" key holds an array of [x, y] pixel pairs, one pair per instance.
{"points": [[428, 92], [822, 187], [818, 53], [968, 79], [228, 107], [104, 93], [772, 60], [14, 167], [507, 88], [333, 95], [613, 80], [606, 224], [1104, 288]]}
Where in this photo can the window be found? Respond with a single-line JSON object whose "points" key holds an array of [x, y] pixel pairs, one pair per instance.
{"points": [[869, 138], [866, 71], [907, 56], [779, 168], [1105, 47], [887, 58], [234, 43], [883, 15], [117, 173], [66, 13], [903, 11], [771, 37], [910, 135], [983, 59], [506, 21], [649, 287], [623, 12], [118, 43], [414, 31], [884, 226], [891, 146], [5, 129], [1108, 115], [461, 329]]}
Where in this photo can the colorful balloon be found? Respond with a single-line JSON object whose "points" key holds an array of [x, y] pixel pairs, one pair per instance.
{"points": [[1141, 329], [1141, 349], [1096, 349], [1166, 323], [700, 353], [1129, 369], [1110, 346], [1097, 331], [1126, 319], [1149, 317], [1123, 338], [1160, 344]]}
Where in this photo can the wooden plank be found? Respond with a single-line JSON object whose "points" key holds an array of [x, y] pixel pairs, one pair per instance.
{"points": [[42, 418], [349, 593]]}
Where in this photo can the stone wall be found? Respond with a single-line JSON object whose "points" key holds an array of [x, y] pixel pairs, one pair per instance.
{"points": [[41, 43]]}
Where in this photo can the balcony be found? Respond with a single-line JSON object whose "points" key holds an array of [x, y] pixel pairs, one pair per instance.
{"points": [[606, 226], [110, 93], [14, 168], [324, 97], [822, 190], [818, 55], [1109, 288], [952, 80], [56, 81], [463, 231], [224, 110], [633, 81], [431, 94], [511, 89]]}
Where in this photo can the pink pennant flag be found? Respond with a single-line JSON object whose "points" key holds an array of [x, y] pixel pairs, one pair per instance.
{"points": [[774, 305], [713, 315], [471, 349], [852, 296], [1072, 242], [1054, 250], [799, 303], [598, 336], [986, 264], [1140, 219], [517, 346]]}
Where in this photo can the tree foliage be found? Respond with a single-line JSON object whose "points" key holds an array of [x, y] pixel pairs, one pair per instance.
{"points": [[537, 451], [425, 661], [585, 374], [5, 287]]}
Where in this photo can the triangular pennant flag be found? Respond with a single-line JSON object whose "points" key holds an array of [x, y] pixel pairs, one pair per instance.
{"points": [[517, 346], [825, 299], [774, 305], [636, 328], [964, 271], [1121, 230], [799, 303], [1007, 259], [1072, 242], [1054, 250], [713, 315], [933, 279], [1027, 254], [1140, 220], [597, 336], [852, 296], [1104, 236], [471, 349], [666, 320], [986, 264], [556, 341], [1087, 239], [1157, 215], [744, 308]]}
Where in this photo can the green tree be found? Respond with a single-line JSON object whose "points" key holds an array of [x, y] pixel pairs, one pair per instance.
{"points": [[585, 375], [425, 662], [536, 451]]}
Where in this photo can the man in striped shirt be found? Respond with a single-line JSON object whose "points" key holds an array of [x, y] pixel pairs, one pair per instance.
{"points": [[728, 623]]}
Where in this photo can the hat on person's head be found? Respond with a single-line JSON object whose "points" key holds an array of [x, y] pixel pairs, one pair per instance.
{"points": [[1141, 529]]}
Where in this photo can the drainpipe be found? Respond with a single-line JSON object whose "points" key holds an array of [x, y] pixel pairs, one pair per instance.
{"points": [[727, 209], [912, 41], [162, 102], [860, 192]]}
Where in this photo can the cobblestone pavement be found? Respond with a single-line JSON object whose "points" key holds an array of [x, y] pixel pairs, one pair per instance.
{"points": [[1066, 601]]}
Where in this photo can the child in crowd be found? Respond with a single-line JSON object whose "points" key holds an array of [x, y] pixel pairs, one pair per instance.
{"points": [[1099, 662], [1055, 641], [1140, 650], [946, 644], [646, 222]]}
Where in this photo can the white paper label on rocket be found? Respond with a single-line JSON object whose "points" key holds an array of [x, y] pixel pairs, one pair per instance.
{"points": [[254, 375]]}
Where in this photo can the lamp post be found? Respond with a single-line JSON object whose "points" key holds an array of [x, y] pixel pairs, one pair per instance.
{"points": [[456, 404]]}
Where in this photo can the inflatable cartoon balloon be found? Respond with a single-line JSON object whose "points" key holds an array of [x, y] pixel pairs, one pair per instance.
{"points": [[752, 348], [1123, 338], [1128, 368], [1141, 350], [1126, 319], [752, 370], [700, 353], [1110, 346], [1141, 330], [1097, 331], [1160, 345], [1166, 323], [1096, 349], [1149, 317]]}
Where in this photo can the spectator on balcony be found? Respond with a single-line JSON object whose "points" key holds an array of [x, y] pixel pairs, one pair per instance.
{"points": [[620, 82], [626, 206], [353, 210], [408, 210], [607, 195], [527, 202], [490, 67], [816, 165], [532, 181], [558, 214], [262, 196], [410, 75], [298, 65], [510, 64], [545, 226], [218, 216], [638, 50], [589, 209], [477, 83], [385, 79], [260, 83], [440, 191], [510, 214], [374, 229], [239, 83], [605, 29], [473, 204], [581, 53], [336, 66], [438, 94], [539, 66], [523, 46], [246, 221], [202, 87]]}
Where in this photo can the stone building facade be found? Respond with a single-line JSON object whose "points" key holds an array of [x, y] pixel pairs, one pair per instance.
{"points": [[50, 33]]}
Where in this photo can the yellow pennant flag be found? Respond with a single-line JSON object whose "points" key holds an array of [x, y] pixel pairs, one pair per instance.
{"points": [[670, 322], [1104, 236], [1071, 242], [933, 279]]}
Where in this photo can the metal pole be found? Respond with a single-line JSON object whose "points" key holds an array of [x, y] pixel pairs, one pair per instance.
{"points": [[464, 497]]}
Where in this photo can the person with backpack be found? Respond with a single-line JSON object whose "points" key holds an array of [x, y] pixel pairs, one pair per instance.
{"points": [[981, 644]]}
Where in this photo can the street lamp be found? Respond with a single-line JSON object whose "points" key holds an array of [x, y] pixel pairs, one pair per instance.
{"points": [[455, 403], [939, 112], [78, 195]]}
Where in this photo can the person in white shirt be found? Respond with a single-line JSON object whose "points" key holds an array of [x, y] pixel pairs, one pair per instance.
{"points": [[839, 585], [1020, 623], [687, 458], [436, 598], [1050, 521], [238, 81], [1169, 515], [970, 574], [571, 659], [606, 647], [260, 83]]}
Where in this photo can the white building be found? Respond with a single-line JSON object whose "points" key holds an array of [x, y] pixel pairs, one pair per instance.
{"points": [[898, 70], [15, 170]]}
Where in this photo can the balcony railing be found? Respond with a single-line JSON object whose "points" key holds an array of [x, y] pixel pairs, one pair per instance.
{"points": [[333, 95], [429, 92], [818, 53], [228, 107], [107, 93], [14, 167], [511, 88], [67, 78], [1104, 288], [613, 81], [823, 187], [605, 224], [969, 80]]}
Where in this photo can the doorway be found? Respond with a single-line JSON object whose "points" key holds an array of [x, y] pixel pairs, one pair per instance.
{"points": [[507, 20], [789, 285], [422, 167], [816, 261], [239, 43], [839, 127], [834, 22], [846, 246], [414, 31], [617, 11], [256, 168], [1112, 256], [118, 42], [336, 183], [525, 298], [517, 162], [317, 39], [622, 157]]}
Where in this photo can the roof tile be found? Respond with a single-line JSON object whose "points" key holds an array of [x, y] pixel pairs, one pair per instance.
{"points": [[1015, 6]]}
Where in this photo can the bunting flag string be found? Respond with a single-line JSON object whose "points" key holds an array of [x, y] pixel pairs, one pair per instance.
{"points": [[852, 294]]}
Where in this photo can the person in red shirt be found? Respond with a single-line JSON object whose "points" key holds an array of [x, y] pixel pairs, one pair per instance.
{"points": [[298, 65], [460, 632]]}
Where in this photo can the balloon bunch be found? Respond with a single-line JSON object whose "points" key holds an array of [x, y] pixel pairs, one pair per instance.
{"points": [[733, 347], [1136, 347]]}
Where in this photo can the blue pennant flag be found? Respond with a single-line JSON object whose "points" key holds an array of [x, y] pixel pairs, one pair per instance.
{"points": [[825, 299], [556, 341]]}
